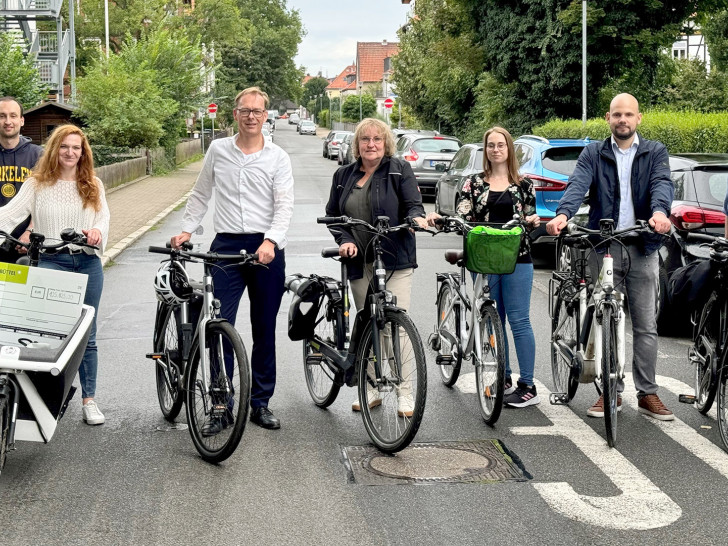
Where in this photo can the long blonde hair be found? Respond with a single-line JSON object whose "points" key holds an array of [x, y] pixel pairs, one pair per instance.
{"points": [[512, 162], [48, 169]]}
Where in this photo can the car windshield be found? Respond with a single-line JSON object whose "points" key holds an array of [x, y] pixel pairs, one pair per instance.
{"points": [[307, 123], [441, 145], [339, 136], [561, 160], [711, 185]]}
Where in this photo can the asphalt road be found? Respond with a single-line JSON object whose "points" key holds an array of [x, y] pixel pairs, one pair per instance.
{"points": [[136, 480]]}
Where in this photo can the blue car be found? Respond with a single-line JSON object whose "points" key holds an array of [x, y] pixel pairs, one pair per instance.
{"points": [[548, 162]]}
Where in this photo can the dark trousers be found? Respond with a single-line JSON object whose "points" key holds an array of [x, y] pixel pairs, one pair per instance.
{"points": [[265, 290]]}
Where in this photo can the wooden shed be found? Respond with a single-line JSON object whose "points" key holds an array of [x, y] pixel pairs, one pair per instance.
{"points": [[42, 119]]}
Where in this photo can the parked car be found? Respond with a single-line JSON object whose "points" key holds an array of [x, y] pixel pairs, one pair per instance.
{"points": [[397, 132], [346, 150], [332, 142], [424, 153], [283, 116], [467, 161], [701, 184], [267, 135], [308, 127], [293, 119], [549, 163]]}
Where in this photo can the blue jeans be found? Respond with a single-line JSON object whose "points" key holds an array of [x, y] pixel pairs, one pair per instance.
{"points": [[90, 265], [512, 295]]}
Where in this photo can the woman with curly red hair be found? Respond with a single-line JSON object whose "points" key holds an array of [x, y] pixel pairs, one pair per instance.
{"points": [[63, 192]]}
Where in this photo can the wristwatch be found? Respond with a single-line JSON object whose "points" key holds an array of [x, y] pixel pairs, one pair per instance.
{"points": [[272, 241]]}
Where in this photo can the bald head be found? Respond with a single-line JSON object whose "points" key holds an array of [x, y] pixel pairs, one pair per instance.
{"points": [[624, 117]]}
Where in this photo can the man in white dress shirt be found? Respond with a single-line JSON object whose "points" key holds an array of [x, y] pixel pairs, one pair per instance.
{"points": [[253, 185]]}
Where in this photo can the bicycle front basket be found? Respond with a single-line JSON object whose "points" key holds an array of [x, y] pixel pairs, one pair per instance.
{"points": [[492, 251]]}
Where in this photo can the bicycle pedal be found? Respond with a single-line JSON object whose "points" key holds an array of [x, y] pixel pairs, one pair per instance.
{"points": [[219, 408], [155, 356], [314, 359], [686, 398], [558, 398], [444, 360]]}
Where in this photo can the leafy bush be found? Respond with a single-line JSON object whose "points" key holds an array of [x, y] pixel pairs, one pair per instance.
{"points": [[107, 155], [681, 132]]}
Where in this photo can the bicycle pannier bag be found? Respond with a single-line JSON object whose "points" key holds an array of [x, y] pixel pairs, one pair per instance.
{"points": [[492, 251], [689, 286], [304, 309]]}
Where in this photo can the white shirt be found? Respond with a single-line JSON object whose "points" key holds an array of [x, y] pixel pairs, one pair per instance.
{"points": [[625, 158], [254, 192], [55, 208]]}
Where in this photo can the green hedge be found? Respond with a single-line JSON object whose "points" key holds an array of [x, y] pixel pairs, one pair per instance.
{"points": [[106, 155], [681, 132]]}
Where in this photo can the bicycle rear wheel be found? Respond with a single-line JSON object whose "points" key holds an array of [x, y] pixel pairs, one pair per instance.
{"points": [[490, 373], [563, 333], [723, 406], [703, 355], [168, 371], [320, 378], [609, 373], [396, 402], [218, 396], [449, 373]]}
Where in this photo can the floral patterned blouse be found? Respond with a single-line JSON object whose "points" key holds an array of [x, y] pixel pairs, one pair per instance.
{"points": [[474, 198]]}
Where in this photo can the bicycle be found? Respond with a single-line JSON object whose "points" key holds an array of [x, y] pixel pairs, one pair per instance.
{"points": [[710, 336], [468, 327], [384, 352], [588, 322], [37, 370], [192, 347]]}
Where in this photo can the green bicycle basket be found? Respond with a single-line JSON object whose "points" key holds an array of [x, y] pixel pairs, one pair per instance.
{"points": [[492, 251]]}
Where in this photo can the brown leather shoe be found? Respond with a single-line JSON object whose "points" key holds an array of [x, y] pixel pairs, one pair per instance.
{"points": [[597, 410], [651, 405]]}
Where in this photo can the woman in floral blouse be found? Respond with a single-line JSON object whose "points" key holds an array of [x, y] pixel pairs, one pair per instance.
{"points": [[494, 196]]}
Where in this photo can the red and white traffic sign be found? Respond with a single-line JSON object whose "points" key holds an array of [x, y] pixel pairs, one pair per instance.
{"points": [[212, 108], [388, 103]]}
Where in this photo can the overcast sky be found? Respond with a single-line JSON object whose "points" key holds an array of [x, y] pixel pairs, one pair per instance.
{"points": [[334, 27]]}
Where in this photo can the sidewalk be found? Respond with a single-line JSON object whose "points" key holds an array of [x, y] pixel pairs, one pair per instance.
{"points": [[137, 206]]}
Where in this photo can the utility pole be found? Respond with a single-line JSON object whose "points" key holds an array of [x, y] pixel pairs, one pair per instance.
{"points": [[583, 63]]}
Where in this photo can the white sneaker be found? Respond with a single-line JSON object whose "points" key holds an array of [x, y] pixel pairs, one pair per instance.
{"points": [[374, 398], [405, 405], [92, 414]]}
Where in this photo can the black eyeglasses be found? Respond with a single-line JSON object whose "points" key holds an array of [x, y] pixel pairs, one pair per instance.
{"points": [[245, 112]]}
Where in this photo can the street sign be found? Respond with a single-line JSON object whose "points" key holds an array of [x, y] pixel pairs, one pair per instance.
{"points": [[212, 115], [212, 108], [388, 103]]}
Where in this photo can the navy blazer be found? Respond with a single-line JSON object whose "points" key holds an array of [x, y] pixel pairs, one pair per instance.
{"points": [[596, 172]]}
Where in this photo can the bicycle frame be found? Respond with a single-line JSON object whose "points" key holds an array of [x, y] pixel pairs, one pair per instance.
{"points": [[608, 295]]}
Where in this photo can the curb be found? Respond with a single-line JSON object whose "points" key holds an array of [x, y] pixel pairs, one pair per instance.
{"points": [[127, 241]]}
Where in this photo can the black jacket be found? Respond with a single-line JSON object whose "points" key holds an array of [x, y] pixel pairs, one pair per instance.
{"points": [[596, 172], [394, 193]]}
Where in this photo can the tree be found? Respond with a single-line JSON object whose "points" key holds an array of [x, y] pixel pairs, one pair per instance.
{"points": [[350, 108], [311, 91], [715, 29], [692, 88], [20, 77]]}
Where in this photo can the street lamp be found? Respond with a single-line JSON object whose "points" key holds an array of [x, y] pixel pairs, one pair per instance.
{"points": [[106, 26], [360, 116], [583, 63]]}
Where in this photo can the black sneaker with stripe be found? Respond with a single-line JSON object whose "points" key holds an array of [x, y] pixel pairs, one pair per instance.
{"points": [[523, 396]]}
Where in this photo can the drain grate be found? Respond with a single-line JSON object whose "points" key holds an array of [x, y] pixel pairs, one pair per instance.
{"points": [[477, 461]]}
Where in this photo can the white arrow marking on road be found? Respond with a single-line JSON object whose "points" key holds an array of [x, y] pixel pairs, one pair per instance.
{"points": [[641, 505]]}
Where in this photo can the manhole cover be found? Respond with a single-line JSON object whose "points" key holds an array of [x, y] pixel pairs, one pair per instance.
{"points": [[478, 461]]}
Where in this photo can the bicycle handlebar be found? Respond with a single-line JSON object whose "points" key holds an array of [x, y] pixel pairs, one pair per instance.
{"points": [[381, 223], [449, 224], [69, 236], [242, 258], [572, 229]]}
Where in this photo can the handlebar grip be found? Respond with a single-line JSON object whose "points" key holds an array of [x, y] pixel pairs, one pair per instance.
{"points": [[160, 250], [331, 220], [700, 237], [185, 246]]}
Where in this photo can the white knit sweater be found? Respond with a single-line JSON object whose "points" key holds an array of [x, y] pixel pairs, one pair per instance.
{"points": [[55, 208]]}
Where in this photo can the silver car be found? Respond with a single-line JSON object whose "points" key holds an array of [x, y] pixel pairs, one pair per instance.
{"points": [[332, 143], [346, 153], [424, 153], [308, 127], [467, 162]]}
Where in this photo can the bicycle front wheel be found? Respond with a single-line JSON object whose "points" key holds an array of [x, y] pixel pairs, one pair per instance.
{"points": [[4, 430], [703, 355], [168, 371], [723, 406], [396, 399], [320, 378], [609, 373], [490, 372], [218, 395], [563, 337], [448, 320]]}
